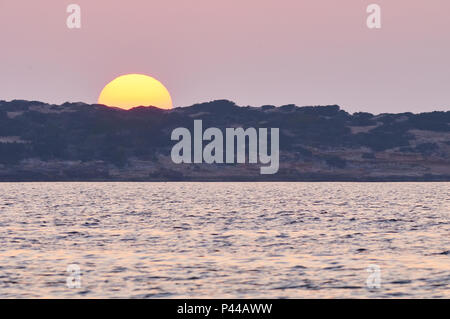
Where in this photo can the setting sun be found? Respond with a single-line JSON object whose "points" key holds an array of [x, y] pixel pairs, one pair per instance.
{"points": [[131, 90]]}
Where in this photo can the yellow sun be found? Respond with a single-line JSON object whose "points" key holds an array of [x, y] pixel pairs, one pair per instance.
{"points": [[131, 90]]}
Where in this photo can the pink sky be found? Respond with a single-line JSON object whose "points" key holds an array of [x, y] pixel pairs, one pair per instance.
{"points": [[253, 52]]}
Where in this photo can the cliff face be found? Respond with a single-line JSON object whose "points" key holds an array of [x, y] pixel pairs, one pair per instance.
{"points": [[76, 141]]}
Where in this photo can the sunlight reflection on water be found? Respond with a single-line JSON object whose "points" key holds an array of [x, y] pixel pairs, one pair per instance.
{"points": [[224, 240]]}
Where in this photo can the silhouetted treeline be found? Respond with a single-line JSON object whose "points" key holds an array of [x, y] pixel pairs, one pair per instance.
{"points": [[81, 132]]}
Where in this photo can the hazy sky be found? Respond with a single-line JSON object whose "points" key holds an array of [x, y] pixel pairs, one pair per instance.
{"points": [[254, 52]]}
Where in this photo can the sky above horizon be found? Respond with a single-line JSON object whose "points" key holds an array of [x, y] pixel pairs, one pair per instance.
{"points": [[253, 52]]}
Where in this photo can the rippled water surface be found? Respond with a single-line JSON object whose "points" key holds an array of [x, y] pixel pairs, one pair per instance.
{"points": [[221, 240]]}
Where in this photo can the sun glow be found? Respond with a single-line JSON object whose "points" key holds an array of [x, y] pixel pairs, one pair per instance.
{"points": [[131, 90]]}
